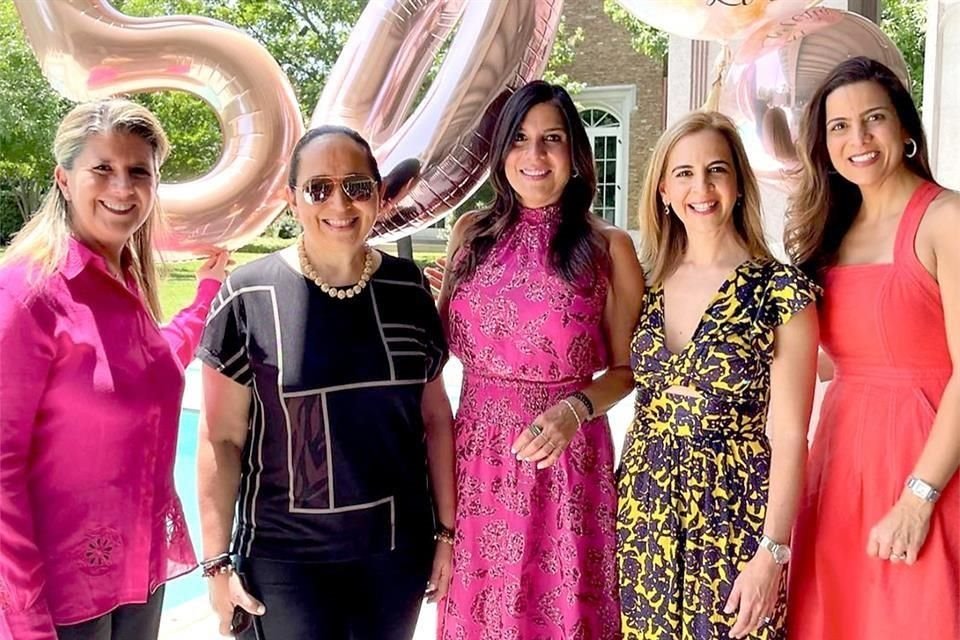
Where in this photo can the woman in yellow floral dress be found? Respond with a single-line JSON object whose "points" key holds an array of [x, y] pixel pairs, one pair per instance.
{"points": [[708, 484]]}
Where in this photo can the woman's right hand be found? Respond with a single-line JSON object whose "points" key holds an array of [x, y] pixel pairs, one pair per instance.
{"points": [[227, 592]]}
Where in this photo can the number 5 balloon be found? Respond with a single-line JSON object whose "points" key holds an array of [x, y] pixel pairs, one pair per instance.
{"points": [[87, 50]]}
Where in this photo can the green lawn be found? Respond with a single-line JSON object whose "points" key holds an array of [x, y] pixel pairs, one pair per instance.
{"points": [[180, 284]]}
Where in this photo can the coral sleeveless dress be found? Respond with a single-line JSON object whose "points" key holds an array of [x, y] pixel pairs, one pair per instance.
{"points": [[534, 552], [883, 326]]}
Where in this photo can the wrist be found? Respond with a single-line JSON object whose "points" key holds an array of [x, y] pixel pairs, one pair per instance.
{"points": [[921, 489], [572, 409], [915, 504], [778, 552], [218, 565], [444, 534], [584, 401]]}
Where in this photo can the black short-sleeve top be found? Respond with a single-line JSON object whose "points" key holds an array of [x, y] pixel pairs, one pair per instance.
{"points": [[334, 465]]}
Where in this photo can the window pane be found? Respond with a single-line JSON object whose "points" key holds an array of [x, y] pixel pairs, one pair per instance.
{"points": [[610, 171]]}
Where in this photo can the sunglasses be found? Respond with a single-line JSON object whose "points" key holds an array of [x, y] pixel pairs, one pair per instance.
{"points": [[358, 188]]}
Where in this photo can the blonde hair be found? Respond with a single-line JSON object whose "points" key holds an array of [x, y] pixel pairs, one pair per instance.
{"points": [[42, 242], [663, 237]]}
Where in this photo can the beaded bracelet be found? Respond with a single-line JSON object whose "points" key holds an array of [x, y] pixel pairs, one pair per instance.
{"points": [[444, 534], [573, 411], [220, 563], [582, 397]]}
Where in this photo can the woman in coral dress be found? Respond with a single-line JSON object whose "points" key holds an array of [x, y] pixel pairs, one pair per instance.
{"points": [[538, 298], [877, 543]]}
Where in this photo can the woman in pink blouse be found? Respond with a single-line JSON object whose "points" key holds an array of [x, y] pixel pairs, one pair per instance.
{"points": [[90, 387]]}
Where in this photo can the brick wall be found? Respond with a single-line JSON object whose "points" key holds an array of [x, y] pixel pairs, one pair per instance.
{"points": [[605, 57]]}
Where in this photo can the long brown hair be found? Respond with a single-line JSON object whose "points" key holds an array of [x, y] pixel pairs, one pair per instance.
{"points": [[42, 242], [664, 238], [578, 251], [822, 209]]}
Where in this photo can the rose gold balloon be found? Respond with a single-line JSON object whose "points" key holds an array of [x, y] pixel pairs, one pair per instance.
{"points": [[88, 50], [777, 69], [498, 47], [720, 20], [383, 64]]}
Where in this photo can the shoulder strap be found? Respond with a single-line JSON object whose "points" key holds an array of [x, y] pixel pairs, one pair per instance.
{"points": [[912, 215]]}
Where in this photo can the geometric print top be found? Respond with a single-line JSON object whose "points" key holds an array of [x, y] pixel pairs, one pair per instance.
{"points": [[334, 466]]}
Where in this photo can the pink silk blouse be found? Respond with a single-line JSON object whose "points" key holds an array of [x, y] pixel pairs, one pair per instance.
{"points": [[90, 391]]}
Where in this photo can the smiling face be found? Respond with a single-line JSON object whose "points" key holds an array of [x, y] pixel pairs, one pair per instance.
{"points": [[111, 189], [338, 222], [700, 181], [865, 139], [538, 164]]}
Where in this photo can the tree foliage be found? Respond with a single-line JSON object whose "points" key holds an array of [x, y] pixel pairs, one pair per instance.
{"points": [[905, 21], [646, 40]]}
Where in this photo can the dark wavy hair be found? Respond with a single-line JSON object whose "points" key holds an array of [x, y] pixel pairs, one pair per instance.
{"points": [[578, 251], [327, 130], [823, 207]]}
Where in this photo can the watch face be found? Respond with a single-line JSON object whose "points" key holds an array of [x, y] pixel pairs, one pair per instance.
{"points": [[782, 554]]}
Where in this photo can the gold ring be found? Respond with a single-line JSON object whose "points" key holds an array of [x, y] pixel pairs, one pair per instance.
{"points": [[536, 430]]}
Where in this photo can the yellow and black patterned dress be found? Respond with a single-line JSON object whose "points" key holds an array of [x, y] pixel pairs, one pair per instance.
{"points": [[694, 472]]}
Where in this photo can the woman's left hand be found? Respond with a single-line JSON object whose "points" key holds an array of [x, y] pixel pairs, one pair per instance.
{"points": [[546, 437], [440, 575], [754, 594], [901, 533]]}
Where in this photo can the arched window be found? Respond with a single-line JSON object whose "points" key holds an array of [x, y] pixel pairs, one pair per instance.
{"points": [[604, 131]]}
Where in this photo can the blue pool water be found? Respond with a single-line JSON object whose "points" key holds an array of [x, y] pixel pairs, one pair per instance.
{"points": [[191, 585]]}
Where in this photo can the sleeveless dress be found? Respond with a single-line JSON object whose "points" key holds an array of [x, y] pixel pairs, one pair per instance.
{"points": [[883, 326], [534, 551], [693, 478]]}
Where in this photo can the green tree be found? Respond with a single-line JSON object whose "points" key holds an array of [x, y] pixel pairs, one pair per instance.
{"points": [[905, 22], [645, 39], [29, 113]]}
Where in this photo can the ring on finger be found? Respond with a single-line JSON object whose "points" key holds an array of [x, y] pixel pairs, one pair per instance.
{"points": [[765, 620], [898, 556], [535, 429]]}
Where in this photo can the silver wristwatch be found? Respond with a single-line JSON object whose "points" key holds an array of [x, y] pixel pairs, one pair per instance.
{"points": [[780, 552], [921, 489]]}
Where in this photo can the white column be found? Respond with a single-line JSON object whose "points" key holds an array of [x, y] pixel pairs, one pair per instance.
{"points": [[690, 74], [941, 91]]}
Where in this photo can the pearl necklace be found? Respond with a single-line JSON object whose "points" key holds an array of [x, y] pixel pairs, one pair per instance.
{"points": [[330, 290]]}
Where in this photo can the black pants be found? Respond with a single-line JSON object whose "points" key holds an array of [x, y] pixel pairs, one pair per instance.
{"points": [[372, 599], [126, 622]]}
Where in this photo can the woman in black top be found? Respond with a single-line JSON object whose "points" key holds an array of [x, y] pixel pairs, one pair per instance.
{"points": [[325, 422]]}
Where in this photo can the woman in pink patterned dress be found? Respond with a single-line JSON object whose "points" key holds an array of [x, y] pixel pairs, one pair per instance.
{"points": [[540, 295]]}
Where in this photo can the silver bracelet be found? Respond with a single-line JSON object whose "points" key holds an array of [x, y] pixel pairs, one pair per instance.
{"points": [[572, 410]]}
